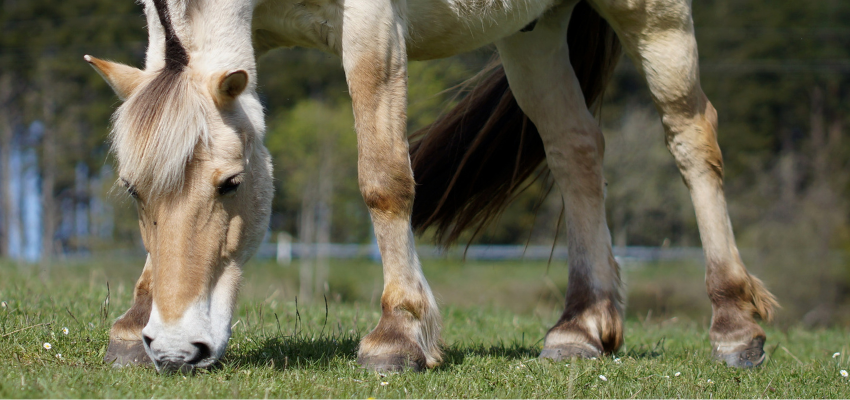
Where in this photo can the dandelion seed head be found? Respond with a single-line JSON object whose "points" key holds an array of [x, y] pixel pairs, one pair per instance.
{"points": [[836, 354], [65, 330], [677, 374], [603, 378], [844, 373], [47, 346]]}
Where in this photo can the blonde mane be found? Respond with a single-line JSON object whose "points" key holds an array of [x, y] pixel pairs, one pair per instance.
{"points": [[155, 132]]}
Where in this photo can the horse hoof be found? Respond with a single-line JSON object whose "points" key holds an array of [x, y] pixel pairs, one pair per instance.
{"points": [[570, 351], [122, 353], [750, 355], [391, 363]]}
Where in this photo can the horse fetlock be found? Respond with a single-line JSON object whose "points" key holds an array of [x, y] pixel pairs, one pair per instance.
{"points": [[596, 331], [404, 339]]}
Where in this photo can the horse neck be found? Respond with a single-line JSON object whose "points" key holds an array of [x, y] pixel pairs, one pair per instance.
{"points": [[215, 33]]}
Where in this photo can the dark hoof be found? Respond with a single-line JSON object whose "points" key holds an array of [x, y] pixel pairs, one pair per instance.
{"points": [[122, 353], [747, 356], [569, 351], [391, 363]]}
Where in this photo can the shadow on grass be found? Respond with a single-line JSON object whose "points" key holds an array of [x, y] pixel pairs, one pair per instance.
{"points": [[456, 353], [301, 351], [298, 352]]}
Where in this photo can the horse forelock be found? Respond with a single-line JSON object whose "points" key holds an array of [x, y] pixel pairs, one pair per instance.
{"points": [[156, 131]]}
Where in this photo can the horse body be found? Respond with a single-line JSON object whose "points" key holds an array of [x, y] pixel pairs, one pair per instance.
{"points": [[188, 142], [434, 29]]}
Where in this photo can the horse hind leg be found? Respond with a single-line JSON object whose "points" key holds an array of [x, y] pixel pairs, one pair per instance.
{"points": [[125, 336], [659, 37], [545, 85]]}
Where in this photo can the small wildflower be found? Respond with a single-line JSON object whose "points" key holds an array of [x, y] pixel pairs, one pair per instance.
{"points": [[382, 375], [384, 383], [844, 373], [4, 304], [592, 358], [617, 361], [65, 330], [677, 374], [666, 376], [710, 381], [47, 346], [603, 378], [836, 354], [59, 355]]}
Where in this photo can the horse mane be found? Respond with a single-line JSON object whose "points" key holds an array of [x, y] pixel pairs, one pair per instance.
{"points": [[155, 132]]}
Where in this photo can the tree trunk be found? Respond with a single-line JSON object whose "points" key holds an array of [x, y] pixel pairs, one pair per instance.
{"points": [[48, 179], [306, 235], [323, 217]]}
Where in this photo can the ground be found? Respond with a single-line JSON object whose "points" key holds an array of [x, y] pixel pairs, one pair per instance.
{"points": [[495, 316]]}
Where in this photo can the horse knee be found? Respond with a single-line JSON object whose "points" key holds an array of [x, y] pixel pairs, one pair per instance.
{"points": [[388, 190]]}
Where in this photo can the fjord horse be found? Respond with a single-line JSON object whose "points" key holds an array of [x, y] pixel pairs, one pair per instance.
{"points": [[188, 142]]}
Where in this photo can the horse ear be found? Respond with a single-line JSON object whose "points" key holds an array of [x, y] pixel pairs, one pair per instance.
{"points": [[124, 79], [229, 85]]}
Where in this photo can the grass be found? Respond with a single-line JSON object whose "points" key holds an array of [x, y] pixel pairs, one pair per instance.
{"points": [[280, 350]]}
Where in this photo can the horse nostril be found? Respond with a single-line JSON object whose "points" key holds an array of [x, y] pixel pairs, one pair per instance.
{"points": [[147, 340], [202, 354]]}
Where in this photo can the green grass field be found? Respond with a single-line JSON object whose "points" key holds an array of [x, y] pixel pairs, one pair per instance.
{"points": [[495, 316]]}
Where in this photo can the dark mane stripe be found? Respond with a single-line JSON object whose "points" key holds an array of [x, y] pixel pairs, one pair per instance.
{"points": [[176, 57]]}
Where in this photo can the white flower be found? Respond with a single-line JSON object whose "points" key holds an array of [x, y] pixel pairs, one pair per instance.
{"points": [[59, 355], [65, 330], [617, 361], [836, 354], [844, 373], [603, 378], [677, 374], [710, 381], [4, 304], [384, 383], [47, 346]]}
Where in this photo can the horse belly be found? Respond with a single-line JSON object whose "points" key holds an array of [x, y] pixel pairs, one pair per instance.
{"points": [[442, 28]]}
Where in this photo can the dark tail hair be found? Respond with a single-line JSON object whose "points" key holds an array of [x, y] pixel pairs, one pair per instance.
{"points": [[471, 162]]}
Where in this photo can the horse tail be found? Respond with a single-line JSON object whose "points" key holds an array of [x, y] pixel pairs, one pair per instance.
{"points": [[472, 161]]}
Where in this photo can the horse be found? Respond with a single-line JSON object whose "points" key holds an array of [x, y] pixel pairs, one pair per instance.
{"points": [[188, 141]]}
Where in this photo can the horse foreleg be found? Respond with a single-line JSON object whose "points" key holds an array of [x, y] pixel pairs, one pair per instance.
{"points": [[375, 62], [659, 37], [125, 337], [544, 83]]}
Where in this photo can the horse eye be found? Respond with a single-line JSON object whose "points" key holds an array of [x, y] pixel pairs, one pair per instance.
{"points": [[230, 185], [130, 188]]}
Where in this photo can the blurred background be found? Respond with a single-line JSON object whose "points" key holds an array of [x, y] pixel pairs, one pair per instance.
{"points": [[778, 73]]}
